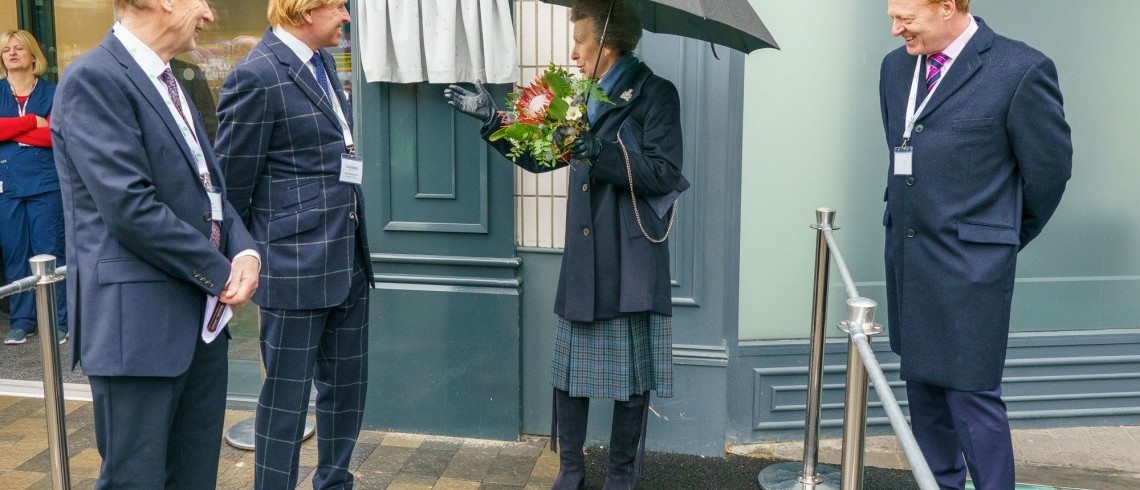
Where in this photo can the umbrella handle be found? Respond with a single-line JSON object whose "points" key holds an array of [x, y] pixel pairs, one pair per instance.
{"points": [[602, 39]]}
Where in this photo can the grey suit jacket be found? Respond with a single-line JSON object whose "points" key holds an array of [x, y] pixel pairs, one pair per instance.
{"points": [[992, 154], [137, 219], [280, 144]]}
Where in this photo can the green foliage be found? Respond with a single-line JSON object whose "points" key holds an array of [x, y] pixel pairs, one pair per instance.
{"points": [[548, 135], [558, 108]]}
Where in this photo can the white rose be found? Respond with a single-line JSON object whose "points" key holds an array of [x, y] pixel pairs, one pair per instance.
{"points": [[574, 113]]}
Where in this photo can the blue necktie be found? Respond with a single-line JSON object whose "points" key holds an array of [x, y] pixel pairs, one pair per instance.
{"points": [[322, 78]]}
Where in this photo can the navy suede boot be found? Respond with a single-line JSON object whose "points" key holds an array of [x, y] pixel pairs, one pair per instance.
{"points": [[568, 434], [627, 443]]}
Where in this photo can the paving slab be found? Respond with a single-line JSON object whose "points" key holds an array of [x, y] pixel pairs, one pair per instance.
{"points": [[1088, 458]]}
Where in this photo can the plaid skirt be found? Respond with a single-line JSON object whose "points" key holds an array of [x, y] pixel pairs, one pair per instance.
{"points": [[614, 358]]}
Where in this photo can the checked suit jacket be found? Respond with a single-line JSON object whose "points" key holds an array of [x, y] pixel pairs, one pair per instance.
{"points": [[280, 145]]}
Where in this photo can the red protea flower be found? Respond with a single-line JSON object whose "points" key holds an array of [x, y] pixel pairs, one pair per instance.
{"points": [[533, 101]]}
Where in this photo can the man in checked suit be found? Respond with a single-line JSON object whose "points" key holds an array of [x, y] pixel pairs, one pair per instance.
{"points": [[285, 143], [149, 240], [980, 154]]}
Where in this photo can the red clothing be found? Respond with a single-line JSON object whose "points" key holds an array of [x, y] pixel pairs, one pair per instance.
{"points": [[24, 130]]}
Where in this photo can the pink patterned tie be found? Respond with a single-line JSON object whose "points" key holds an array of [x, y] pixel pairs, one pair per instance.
{"points": [[937, 60], [167, 78]]}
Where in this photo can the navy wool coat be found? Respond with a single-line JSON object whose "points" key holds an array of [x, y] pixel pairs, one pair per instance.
{"points": [[992, 154], [608, 267]]}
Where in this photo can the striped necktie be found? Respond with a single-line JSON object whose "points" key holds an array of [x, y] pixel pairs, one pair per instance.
{"points": [[934, 74]]}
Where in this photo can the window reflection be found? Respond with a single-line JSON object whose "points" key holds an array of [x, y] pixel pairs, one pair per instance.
{"points": [[238, 27]]}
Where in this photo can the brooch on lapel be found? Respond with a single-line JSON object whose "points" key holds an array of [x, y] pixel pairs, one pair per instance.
{"points": [[628, 94]]}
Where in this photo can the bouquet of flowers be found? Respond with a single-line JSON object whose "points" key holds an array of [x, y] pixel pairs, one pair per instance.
{"points": [[543, 119]]}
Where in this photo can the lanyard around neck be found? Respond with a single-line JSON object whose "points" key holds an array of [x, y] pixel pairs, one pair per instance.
{"points": [[912, 113], [334, 101], [22, 109]]}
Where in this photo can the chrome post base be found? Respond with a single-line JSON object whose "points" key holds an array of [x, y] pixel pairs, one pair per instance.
{"points": [[241, 435], [786, 476]]}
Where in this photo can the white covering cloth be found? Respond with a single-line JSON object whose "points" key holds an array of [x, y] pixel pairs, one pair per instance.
{"points": [[437, 41]]}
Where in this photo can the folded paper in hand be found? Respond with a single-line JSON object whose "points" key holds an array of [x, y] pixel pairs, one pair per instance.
{"points": [[216, 317]]}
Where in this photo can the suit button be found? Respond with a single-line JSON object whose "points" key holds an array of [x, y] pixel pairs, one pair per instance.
{"points": [[910, 181], [585, 187], [918, 128], [206, 216], [910, 233], [586, 231], [352, 215]]}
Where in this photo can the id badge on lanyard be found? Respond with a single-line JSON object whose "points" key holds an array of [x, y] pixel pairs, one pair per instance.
{"points": [[904, 154], [351, 166], [215, 195]]}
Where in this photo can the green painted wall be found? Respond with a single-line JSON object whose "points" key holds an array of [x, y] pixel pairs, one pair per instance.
{"points": [[813, 137]]}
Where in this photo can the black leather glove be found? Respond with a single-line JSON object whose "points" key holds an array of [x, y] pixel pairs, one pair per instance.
{"points": [[586, 146], [477, 104]]}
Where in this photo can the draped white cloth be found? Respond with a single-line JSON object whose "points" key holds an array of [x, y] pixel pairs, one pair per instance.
{"points": [[437, 41]]}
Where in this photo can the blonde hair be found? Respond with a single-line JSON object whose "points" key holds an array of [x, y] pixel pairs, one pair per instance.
{"points": [[39, 66], [291, 12]]}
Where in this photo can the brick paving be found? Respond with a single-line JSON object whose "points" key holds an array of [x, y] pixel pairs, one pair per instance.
{"points": [[1088, 458], [382, 460]]}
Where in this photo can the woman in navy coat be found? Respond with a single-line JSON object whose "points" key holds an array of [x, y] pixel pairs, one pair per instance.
{"points": [[613, 338], [31, 212]]}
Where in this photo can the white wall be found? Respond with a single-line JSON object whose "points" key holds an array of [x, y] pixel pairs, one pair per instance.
{"points": [[813, 137]]}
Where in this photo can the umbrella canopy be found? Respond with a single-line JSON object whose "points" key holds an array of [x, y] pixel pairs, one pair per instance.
{"points": [[730, 23]]}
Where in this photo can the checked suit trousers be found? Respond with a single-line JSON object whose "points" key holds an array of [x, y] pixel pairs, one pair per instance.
{"points": [[328, 347]]}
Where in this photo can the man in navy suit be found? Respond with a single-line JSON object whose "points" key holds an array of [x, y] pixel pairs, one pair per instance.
{"points": [[150, 243], [980, 154], [285, 142]]}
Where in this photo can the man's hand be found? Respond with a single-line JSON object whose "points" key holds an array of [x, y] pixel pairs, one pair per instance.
{"points": [[477, 104], [243, 280], [41, 122]]}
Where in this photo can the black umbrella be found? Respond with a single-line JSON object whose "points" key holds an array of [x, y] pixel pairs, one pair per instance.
{"points": [[730, 23]]}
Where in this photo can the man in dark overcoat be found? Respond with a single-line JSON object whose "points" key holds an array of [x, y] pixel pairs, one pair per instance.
{"points": [[980, 155]]}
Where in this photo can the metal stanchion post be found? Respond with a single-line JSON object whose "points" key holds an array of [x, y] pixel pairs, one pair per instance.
{"points": [[44, 267], [809, 476], [860, 317]]}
